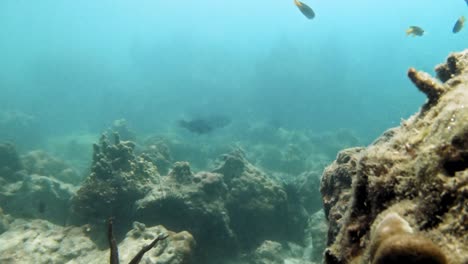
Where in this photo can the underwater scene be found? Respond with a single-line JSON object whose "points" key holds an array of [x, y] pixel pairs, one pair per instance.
{"points": [[233, 132]]}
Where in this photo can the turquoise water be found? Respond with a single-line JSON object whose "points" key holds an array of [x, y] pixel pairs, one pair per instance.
{"points": [[192, 81], [78, 65]]}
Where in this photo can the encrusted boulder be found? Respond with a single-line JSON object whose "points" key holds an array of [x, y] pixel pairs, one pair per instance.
{"points": [[418, 171]]}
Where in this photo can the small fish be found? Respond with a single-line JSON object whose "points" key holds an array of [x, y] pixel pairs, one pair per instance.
{"points": [[305, 9], [415, 31], [459, 24]]}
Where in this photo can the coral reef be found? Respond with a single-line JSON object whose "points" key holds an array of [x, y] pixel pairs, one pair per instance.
{"points": [[118, 178], [231, 209], [38, 241], [418, 170], [184, 201]]}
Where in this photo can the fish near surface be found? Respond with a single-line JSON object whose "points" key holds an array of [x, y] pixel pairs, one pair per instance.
{"points": [[415, 31], [459, 25], [305, 9]]}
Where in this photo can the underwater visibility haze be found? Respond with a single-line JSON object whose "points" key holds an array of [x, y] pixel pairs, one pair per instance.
{"points": [[243, 103]]}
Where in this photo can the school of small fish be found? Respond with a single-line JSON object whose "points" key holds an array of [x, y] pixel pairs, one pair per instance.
{"points": [[309, 13]]}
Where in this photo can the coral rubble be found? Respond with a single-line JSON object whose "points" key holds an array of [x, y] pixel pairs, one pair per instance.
{"points": [[418, 171]]}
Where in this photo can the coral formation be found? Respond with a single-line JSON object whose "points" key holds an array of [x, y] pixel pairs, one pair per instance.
{"points": [[428, 85], [118, 178], [418, 170], [239, 205]]}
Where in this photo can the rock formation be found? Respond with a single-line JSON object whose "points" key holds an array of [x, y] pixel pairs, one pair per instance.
{"points": [[418, 170]]}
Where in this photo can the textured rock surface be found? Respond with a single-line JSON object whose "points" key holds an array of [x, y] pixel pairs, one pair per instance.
{"points": [[232, 209], [418, 170], [184, 201], [39, 241], [118, 178]]}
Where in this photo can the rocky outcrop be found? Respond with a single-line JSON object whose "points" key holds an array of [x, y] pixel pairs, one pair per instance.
{"points": [[418, 171], [232, 209], [118, 178]]}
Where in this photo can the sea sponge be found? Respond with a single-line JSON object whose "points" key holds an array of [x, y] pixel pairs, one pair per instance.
{"points": [[393, 241]]}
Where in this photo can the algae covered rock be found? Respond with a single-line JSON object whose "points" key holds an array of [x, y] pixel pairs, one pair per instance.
{"points": [[418, 170], [118, 178]]}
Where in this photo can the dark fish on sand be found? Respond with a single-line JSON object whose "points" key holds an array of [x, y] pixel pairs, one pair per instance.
{"points": [[415, 31], [305, 9], [206, 125], [459, 24]]}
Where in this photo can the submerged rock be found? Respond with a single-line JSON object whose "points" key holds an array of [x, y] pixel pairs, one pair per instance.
{"points": [[118, 178], [418, 171]]}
